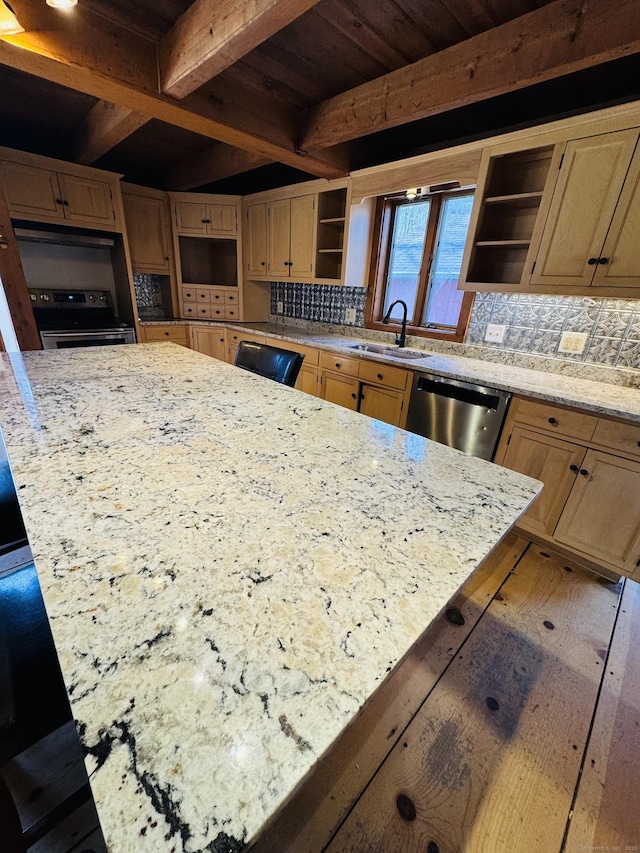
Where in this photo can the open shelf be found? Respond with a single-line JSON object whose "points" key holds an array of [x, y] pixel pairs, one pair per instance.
{"points": [[515, 199], [515, 243], [208, 261], [332, 211], [334, 220]]}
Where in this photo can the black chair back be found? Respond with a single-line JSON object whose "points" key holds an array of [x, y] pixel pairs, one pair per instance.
{"points": [[281, 365]]}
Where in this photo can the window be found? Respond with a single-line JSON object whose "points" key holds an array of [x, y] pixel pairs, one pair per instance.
{"points": [[419, 255]]}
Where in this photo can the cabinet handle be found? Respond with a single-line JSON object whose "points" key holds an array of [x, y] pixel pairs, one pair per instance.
{"points": [[66, 203], [338, 365], [573, 468], [167, 334], [206, 221], [59, 201], [592, 261], [603, 261], [5, 245], [261, 263], [584, 472], [379, 375], [553, 421], [354, 396]]}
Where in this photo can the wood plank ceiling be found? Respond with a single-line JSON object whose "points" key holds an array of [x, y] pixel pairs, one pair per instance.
{"points": [[231, 96]]}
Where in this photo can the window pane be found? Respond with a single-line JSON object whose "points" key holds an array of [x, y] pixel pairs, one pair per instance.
{"points": [[409, 230], [444, 301]]}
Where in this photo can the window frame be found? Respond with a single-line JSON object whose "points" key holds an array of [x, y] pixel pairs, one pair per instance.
{"points": [[386, 208]]}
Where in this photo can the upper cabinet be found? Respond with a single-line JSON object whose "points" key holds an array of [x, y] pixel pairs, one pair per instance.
{"points": [[586, 240], [300, 237], [45, 195], [147, 216], [197, 217], [558, 219]]}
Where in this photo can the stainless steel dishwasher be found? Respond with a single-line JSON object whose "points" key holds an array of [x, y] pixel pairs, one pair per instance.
{"points": [[463, 415]]}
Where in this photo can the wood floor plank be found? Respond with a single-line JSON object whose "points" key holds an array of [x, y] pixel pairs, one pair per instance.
{"points": [[606, 814], [490, 762], [311, 817]]}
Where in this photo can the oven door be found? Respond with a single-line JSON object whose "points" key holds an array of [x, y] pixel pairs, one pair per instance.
{"points": [[93, 338]]}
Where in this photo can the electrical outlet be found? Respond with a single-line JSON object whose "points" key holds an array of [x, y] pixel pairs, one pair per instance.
{"points": [[573, 342], [350, 315], [495, 333], [280, 308]]}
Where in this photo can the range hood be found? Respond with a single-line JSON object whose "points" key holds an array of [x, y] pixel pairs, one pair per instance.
{"points": [[63, 237]]}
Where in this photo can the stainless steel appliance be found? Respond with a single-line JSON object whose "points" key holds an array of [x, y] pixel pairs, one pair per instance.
{"points": [[459, 414], [77, 318]]}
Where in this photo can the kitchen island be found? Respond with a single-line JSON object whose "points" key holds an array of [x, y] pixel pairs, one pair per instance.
{"points": [[230, 568]]}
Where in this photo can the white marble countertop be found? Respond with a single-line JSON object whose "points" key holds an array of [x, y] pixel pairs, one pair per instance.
{"points": [[596, 388], [230, 568]]}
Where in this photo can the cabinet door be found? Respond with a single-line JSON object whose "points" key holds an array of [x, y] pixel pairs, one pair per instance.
{"points": [[550, 460], [31, 191], [208, 341], [148, 233], [585, 197], [257, 239], [342, 390], [381, 403], [86, 200], [622, 246], [177, 334], [602, 516], [303, 235], [279, 216], [222, 220], [307, 380], [191, 218]]}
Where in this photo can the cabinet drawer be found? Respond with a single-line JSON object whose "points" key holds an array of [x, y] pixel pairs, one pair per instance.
{"points": [[191, 309], [311, 355], [555, 420], [230, 312], [189, 294], [203, 311], [203, 294], [178, 334], [218, 312], [217, 296], [394, 377], [624, 437], [331, 361], [230, 298]]}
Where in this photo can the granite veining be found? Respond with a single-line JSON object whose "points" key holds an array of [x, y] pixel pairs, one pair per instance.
{"points": [[230, 568]]}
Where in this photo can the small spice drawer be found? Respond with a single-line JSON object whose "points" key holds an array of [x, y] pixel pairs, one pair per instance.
{"points": [[617, 436], [555, 419], [189, 294], [394, 377], [331, 361]]}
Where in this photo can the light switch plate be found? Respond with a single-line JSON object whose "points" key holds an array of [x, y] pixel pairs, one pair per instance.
{"points": [[279, 307], [349, 315], [573, 342], [495, 333]]}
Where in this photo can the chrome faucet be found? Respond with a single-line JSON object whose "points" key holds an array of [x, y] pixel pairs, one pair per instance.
{"points": [[401, 339]]}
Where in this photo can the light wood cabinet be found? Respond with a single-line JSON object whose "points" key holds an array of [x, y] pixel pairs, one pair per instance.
{"points": [[210, 303], [207, 218], [209, 341], [147, 214], [589, 186], [176, 333], [256, 239], [233, 338], [368, 387], [590, 503], [291, 237], [44, 195]]}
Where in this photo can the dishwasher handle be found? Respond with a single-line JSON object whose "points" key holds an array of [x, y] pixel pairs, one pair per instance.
{"points": [[464, 394]]}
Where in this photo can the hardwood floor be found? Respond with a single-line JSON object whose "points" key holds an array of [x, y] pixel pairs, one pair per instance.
{"points": [[513, 725]]}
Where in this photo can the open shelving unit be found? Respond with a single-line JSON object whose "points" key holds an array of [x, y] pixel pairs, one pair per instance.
{"points": [[332, 211], [507, 216]]}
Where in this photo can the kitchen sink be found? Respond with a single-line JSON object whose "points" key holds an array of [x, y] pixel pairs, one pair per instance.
{"points": [[394, 352]]}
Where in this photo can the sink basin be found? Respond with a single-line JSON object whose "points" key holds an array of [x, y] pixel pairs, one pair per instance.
{"points": [[394, 352]]}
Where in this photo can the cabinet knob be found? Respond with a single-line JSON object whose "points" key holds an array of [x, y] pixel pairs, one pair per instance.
{"points": [[66, 203], [553, 421], [584, 472], [338, 365], [573, 468], [379, 375], [59, 201], [354, 396], [167, 334], [603, 261], [261, 263], [592, 261]]}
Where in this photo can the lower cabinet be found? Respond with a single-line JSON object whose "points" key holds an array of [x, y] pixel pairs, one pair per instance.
{"points": [[590, 504], [174, 332], [373, 389], [209, 340]]}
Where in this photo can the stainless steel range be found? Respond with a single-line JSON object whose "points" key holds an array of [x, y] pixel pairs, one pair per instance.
{"points": [[77, 318]]}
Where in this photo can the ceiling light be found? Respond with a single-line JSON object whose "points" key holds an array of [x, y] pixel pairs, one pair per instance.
{"points": [[62, 4], [9, 25]]}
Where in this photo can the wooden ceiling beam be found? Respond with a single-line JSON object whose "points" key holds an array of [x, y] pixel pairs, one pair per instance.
{"points": [[214, 164], [213, 34], [558, 39], [90, 54], [104, 127]]}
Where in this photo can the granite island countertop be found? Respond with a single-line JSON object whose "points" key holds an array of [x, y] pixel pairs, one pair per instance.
{"points": [[596, 388], [230, 568]]}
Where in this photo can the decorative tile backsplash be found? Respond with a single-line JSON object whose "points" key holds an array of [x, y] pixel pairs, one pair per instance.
{"points": [[148, 288], [534, 325], [324, 303]]}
